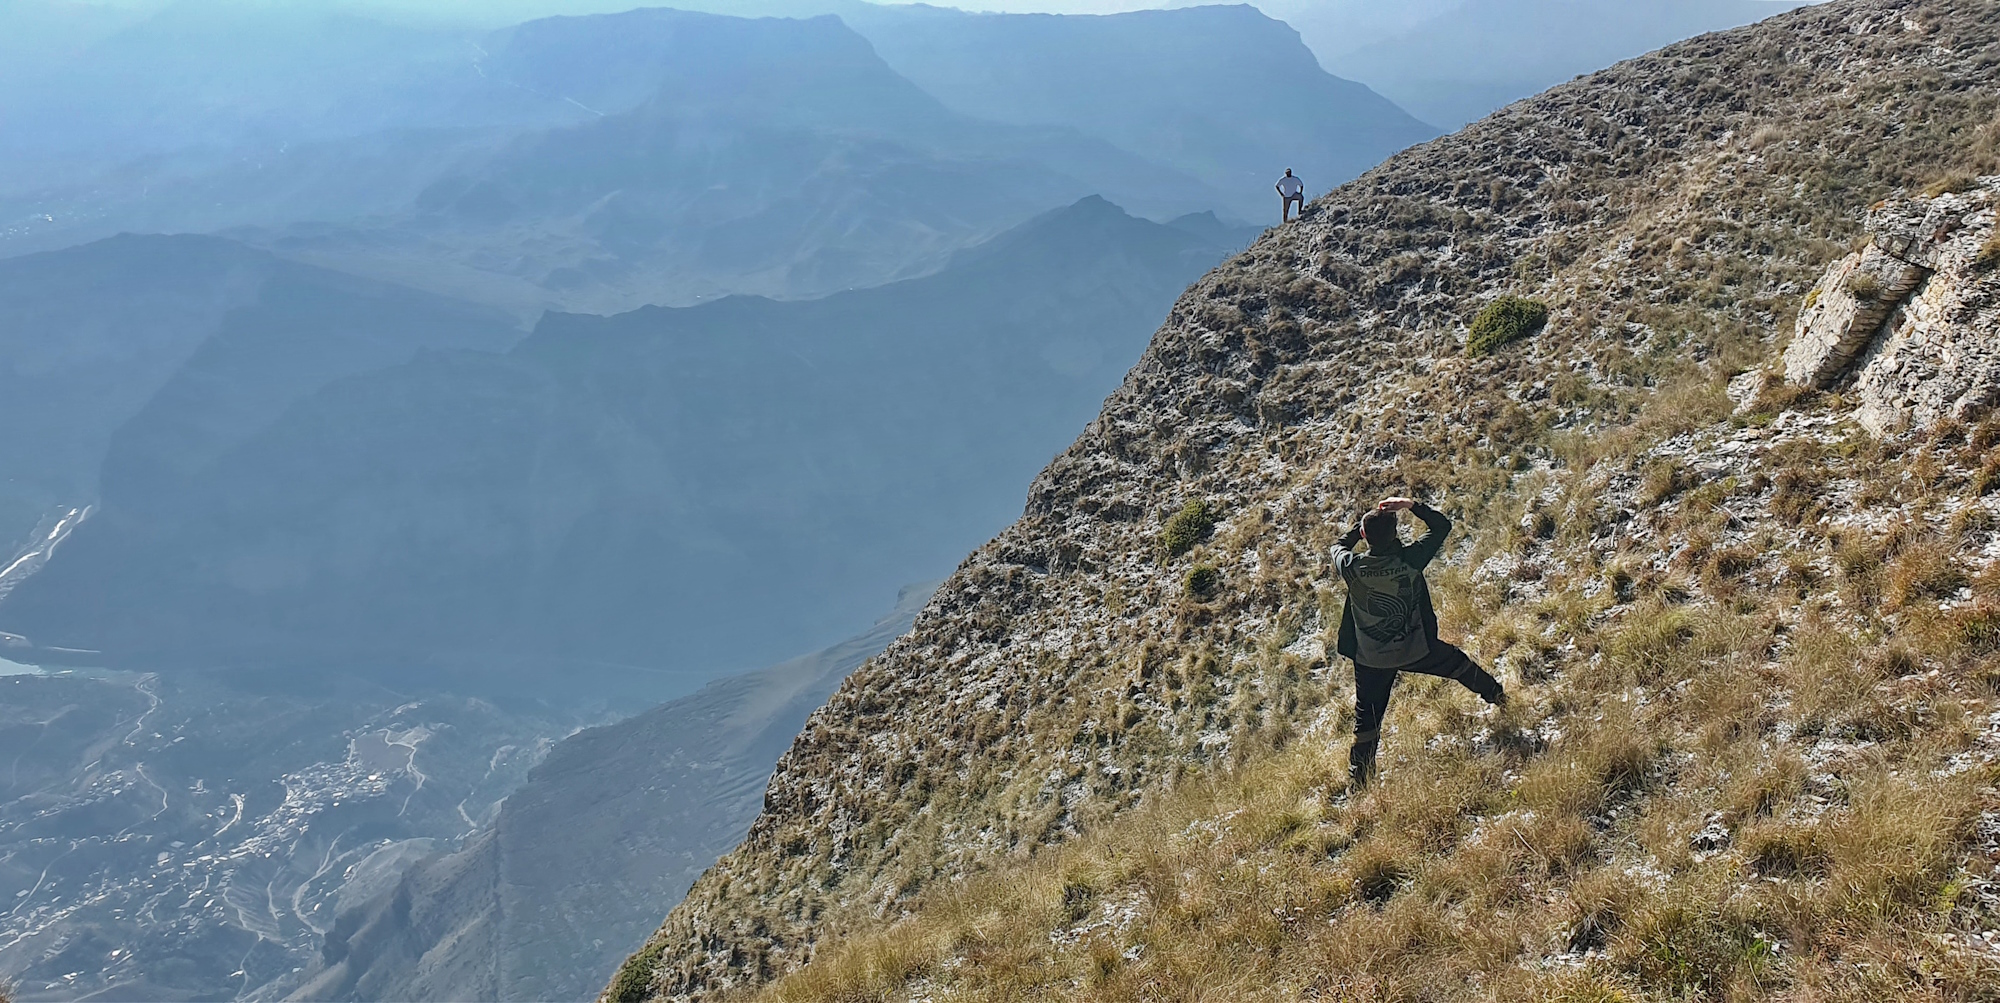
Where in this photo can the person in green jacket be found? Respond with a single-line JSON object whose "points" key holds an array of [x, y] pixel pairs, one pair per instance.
{"points": [[1389, 626]]}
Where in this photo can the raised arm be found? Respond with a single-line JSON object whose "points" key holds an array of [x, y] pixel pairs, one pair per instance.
{"points": [[1436, 527], [1343, 549]]}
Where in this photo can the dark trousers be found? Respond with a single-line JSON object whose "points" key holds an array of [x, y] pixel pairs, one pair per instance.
{"points": [[1371, 697]]}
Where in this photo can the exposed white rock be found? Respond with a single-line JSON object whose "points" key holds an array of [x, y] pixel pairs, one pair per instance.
{"points": [[1913, 316], [1845, 312], [1939, 356]]}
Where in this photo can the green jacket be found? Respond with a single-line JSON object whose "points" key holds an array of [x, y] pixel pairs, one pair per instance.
{"points": [[1388, 620]]}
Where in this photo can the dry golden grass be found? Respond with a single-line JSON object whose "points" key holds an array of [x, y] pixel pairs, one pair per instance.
{"points": [[1758, 798]]}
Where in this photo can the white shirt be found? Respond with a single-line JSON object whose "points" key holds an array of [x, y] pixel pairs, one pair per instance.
{"points": [[1290, 186]]}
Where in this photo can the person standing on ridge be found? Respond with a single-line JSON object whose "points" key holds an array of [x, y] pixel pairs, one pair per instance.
{"points": [[1293, 190], [1389, 626]]}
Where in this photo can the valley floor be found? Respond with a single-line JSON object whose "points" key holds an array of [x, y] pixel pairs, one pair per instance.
{"points": [[174, 837]]}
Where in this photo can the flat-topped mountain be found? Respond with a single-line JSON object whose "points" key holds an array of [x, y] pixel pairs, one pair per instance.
{"points": [[1221, 92], [1751, 643]]}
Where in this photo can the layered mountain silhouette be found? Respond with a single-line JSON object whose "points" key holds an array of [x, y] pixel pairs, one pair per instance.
{"points": [[690, 489], [604, 162], [206, 338], [777, 156], [1222, 92]]}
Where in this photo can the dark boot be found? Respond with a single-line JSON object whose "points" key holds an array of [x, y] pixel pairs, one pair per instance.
{"points": [[1361, 763], [1456, 665]]}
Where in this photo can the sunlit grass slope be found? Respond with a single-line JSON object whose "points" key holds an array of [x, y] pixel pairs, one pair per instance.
{"points": [[1761, 768]]}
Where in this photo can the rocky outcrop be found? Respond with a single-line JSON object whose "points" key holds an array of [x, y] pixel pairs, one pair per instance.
{"points": [[1065, 674], [1845, 312], [1909, 319]]}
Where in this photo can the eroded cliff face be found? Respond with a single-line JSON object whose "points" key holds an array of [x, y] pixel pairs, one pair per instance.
{"points": [[1673, 212]]}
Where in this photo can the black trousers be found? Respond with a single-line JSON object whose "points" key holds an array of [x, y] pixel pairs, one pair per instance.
{"points": [[1371, 696]]}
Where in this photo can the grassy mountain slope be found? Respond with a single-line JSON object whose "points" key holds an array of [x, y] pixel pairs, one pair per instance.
{"points": [[1752, 749]]}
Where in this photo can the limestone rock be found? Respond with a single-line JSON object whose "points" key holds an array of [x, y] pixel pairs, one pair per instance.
{"points": [[1939, 355], [1897, 312], [1844, 313], [1746, 389]]}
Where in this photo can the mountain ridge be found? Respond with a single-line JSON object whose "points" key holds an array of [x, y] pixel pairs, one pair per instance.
{"points": [[95, 333], [612, 492]]}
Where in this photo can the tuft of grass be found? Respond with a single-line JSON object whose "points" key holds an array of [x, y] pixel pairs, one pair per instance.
{"points": [[1986, 479], [1978, 627], [1662, 480], [1202, 582], [1692, 948], [1797, 495], [1190, 526], [1988, 257], [1865, 286], [1951, 184], [1509, 318], [1786, 851], [1925, 571]]}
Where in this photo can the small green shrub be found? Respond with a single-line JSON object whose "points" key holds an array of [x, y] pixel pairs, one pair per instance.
{"points": [[1189, 526], [634, 981], [1865, 286], [1509, 318], [1202, 581], [1989, 254]]}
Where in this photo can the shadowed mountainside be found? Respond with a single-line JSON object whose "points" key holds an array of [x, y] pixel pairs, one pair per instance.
{"points": [[683, 489], [206, 338]]}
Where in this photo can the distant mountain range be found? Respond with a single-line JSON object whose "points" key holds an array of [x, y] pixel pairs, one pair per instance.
{"points": [[604, 162], [1221, 92], [693, 489], [781, 157]]}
